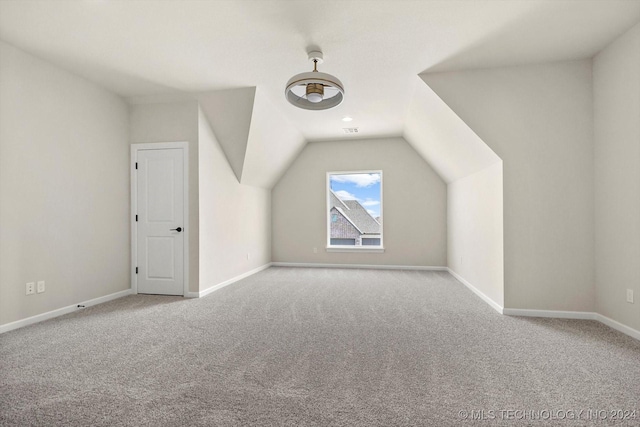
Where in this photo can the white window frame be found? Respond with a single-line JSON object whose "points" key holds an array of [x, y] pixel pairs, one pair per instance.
{"points": [[341, 248]]}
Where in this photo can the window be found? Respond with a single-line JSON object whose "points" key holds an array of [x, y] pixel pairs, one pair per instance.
{"points": [[354, 211]]}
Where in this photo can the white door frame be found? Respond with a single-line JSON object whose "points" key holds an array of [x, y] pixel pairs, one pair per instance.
{"points": [[134, 207]]}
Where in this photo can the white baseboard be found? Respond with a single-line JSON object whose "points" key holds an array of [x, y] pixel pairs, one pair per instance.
{"points": [[556, 314], [59, 312], [497, 307], [580, 315], [366, 266], [617, 326], [227, 282]]}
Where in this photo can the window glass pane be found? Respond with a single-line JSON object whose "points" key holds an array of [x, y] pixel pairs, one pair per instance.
{"points": [[370, 242], [345, 242]]}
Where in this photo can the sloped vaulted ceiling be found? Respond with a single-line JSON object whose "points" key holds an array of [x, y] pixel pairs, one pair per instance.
{"points": [[376, 48]]}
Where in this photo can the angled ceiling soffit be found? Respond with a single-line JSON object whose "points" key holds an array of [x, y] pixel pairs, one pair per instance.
{"points": [[274, 142], [442, 138], [229, 113], [258, 140]]}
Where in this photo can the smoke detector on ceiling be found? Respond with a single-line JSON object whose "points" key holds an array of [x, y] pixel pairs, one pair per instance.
{"points": [[314, 90]]}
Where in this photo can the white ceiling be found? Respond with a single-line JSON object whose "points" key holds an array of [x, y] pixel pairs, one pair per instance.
{"points": [[163, 47]]}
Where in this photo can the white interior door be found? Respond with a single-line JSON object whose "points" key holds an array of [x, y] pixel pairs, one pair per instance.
{"points": [[160, 221]]}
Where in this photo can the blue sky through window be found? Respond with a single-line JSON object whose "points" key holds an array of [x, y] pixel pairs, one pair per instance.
{"points": [[363, 187]]}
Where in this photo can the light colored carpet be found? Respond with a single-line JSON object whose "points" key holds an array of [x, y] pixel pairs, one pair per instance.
{"points": [[315, 347]]}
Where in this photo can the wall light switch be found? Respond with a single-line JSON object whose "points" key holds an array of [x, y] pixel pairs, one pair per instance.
{"points": [[31, 288], [40, 286], [630, 295]]}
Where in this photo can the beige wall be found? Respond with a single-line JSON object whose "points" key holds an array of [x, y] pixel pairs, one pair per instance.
{"points": [[228, 221], [64, 187], [235, 219], [475, 231], [171, 122], [538, 119], [616, 81], [414, 204]]}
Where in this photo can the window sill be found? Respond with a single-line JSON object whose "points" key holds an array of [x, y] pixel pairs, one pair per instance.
{"points": [[361, 249]]}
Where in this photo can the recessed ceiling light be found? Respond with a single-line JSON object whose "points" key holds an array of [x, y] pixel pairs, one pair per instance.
{"points": [[346, 119]]}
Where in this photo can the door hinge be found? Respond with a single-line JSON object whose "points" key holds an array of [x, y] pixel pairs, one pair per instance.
{"points": [[136, 270], [136, 165], [136, 218]]}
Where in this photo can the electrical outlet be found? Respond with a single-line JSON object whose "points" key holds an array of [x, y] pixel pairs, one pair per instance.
{"points": [[31, 288], [248, 256], [315, 250], [630, 295], [40, 288]]}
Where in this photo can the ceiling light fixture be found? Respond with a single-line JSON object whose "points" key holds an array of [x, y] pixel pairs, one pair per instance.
{"points": [[314, 90], [346, 119]]}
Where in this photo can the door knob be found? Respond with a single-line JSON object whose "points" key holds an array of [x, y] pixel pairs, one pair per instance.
{"points": [[179, 229]]}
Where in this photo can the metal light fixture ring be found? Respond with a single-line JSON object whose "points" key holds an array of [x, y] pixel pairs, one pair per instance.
{"points": [[316, 82]]}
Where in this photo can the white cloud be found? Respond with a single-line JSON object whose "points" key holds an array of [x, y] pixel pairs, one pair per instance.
{"points": [[345, 195], [372, 213], [359, 179], [370, 202]]}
